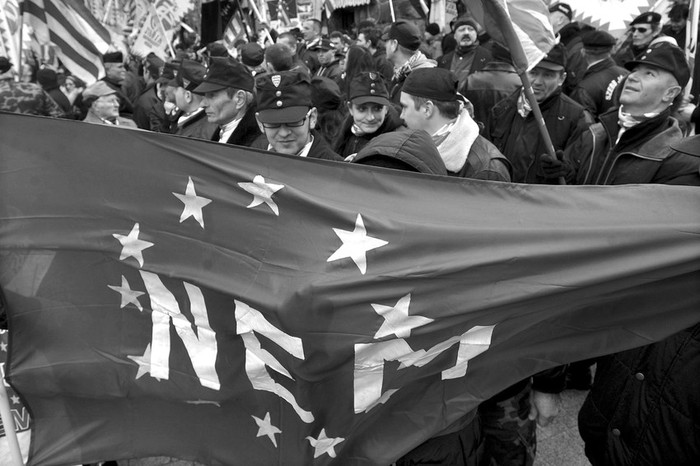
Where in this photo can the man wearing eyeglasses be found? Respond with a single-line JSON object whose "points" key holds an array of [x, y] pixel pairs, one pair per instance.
{"points": [[287, 116], [643, 29]]}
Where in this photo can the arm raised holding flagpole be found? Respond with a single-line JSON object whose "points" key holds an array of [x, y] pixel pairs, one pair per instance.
{"points": [[498, 12]]}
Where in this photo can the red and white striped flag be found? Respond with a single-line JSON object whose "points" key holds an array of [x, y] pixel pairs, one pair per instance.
{"points": [[519, 25], [79, 38]]}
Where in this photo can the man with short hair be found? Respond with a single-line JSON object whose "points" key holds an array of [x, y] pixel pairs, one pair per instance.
{"points": [[469, 56], [289, 40], [369, 38], [338, 42], [429, 101], [286, 115], [328, 60], [192, 121], [643, 29], [102, 103], [677, 24], [596, 90], [151, 95], [402, 42], [278, 57], [311, 30], [512, 127], [228, 101]]}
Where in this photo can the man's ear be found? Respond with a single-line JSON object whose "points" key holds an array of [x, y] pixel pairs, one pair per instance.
{"points": [[429, 109], [313, 118], [671, 93], [562, 78]]}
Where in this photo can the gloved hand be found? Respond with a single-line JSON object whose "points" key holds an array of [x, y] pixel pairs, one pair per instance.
{"points": [[556, 168]]}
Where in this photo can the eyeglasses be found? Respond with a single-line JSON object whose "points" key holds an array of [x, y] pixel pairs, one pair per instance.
{"points": [[293, 124], [642, 30]]}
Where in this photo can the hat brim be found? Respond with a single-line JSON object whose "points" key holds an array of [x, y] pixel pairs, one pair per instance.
{"points": [[548, 65], [375, 99], [282, 115], [209, 87], [631, 64]]}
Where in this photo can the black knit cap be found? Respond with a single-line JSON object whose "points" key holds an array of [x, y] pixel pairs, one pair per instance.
{"points": [[252, 54], [225, 72], [667, 57], [564, 8], [597, 40], [368, 86], [283, 97], [113, 57], [405, 33], [432, 83]]}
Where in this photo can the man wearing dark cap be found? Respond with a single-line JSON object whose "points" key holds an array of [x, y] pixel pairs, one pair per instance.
{"points": [[286, 115], [115, 74], [402, 41], [644, 405], [511, 125], [560, 14], [370, 114], [643, 29], [253, 56], [430, 101], [228, 101], [192, 121], [20, 97], [596, 90], [469, 56], [496, 81], [630, 144], [369, 38], [329, 60]]}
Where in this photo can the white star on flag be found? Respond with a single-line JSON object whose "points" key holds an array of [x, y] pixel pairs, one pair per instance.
{"points": [[397, 320], [266, 428], [3, 347], [15, 399], [132, 246], [355, 245], [128, 295], [262, 191], [323, 444], [144, 363], [193, 203]]}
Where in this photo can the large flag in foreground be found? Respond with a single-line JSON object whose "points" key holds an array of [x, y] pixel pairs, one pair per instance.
{"points": [[170, 296]]}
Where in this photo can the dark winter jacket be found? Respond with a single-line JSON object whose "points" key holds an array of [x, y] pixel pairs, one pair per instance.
{"points": [[485, 88], [346, 143], [597, 90], [643, 154], [245, 133], [198, 126], [519, 138], [644, 408]]}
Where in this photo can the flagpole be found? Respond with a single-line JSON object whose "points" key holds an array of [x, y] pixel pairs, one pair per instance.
{"points": [[21, 43], [162, 29], [260, 18], [9, 423], [521, 65], [107, 10], [391, 8]]}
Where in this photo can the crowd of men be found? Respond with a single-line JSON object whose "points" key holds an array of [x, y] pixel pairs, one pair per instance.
{"points": [[452, 104]]}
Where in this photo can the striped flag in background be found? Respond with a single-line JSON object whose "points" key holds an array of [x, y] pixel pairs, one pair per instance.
{"points": [[78, 36], [9, 31], [530, 24]]}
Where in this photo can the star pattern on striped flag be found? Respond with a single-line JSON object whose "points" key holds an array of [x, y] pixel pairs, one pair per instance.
{"points": [[132, 246], [356, 244]]}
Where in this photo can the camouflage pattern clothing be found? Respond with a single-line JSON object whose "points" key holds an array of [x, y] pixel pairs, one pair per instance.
{"points": [[27, 98], [509, 436]]}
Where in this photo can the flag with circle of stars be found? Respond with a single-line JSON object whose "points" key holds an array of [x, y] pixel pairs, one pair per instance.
{"points": [[176, 297]]}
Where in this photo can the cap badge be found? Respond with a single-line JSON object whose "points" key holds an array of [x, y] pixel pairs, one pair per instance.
{"points": [[276, 80], [185, 82], [372, 76]]}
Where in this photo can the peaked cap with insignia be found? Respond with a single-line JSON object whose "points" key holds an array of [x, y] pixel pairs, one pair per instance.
{"points": [[650, 17], [283, 97], [225, 72], [368, 86]]}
